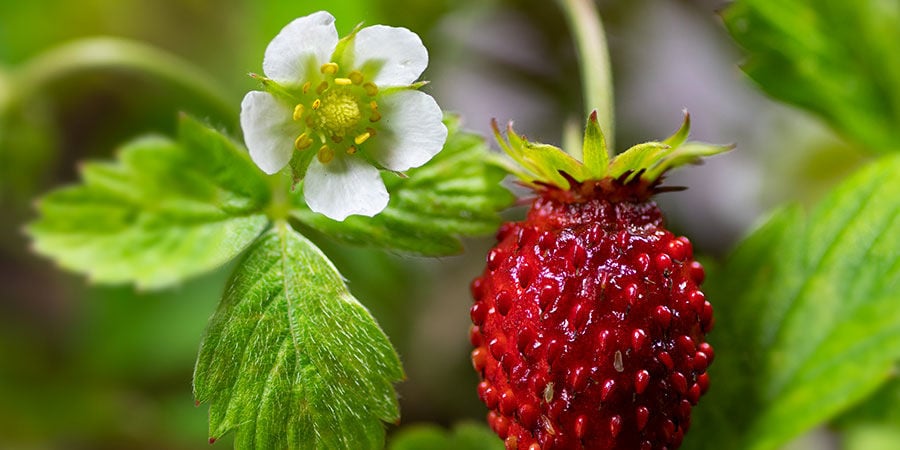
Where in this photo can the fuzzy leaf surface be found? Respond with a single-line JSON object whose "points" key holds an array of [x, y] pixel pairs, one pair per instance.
{"points": [[290, 359], [835, 58], [162, 212], [457, 193], [807, 316]]}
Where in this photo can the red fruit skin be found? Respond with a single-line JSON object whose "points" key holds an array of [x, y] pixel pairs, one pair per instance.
{"points": [[589, 325]]}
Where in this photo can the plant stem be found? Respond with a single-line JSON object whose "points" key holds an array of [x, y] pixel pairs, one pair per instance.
{"points": [[596, 74], [115, 53]]}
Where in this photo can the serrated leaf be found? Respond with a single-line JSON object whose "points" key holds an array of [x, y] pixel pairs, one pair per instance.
{"points": [[163, 212], [457, 193], [464, 436], [807, 316], [291, 359], [835, 58]]}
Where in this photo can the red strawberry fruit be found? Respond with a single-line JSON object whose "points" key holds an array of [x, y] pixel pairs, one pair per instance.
{"points": [[588, 323]]}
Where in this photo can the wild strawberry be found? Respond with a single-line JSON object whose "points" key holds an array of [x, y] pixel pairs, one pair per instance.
{"points": [[589, 324]]}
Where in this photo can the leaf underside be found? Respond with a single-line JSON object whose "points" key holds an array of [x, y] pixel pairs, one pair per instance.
{"points": [[291, 359]]}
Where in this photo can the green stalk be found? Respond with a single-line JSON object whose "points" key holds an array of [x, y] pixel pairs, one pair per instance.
{"points": [[114, 53], [596, 74]]}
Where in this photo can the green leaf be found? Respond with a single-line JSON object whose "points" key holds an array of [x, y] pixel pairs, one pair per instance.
{"points": [[464, 436], [163, 212], [291, 359], [835, 58], [807, 315], [874, 424], [457, 193]]}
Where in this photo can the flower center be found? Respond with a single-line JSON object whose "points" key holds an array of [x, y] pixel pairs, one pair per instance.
{"points": [[339, 112], [338, 108]]}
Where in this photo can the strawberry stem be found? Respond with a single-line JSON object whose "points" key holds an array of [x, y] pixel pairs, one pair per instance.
{"points": [[596, 76]]}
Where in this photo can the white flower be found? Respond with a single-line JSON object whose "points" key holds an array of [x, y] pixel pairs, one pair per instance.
{"points": [[339, 110]]}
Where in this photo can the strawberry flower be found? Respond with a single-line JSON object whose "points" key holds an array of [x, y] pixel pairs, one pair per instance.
{"points": [[338, 110]]}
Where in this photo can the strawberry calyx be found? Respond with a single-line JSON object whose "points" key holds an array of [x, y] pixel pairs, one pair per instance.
{"points": [[634, 174]]}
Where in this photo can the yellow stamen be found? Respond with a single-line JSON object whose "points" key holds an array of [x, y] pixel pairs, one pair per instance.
{"points": [[362, 138], [306, 87], [317, 104], [375, 117], [373, 105], [329, 68], [298, 112], [343, 81], [356, 77], [325, 155], [371, 89], [371, 131], [302, 142], [337, 139], [321, 88], [351, 150]]}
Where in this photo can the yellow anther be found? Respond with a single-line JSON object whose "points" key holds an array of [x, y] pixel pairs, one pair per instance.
{"points": [[351, 150], [373, 105], [317, 104], [375, 117], [322, 86], [343, 81], [306, 87], [371, 89], [362, 138], [330, 68], [298, 112], [337, 139], [302, 142], [325, 155], [356, 77], [371, 131]]}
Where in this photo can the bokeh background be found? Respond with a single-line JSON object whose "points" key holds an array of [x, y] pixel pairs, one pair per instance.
{"points": [[97, 367]]}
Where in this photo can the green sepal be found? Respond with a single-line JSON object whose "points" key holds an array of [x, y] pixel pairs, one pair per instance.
{"points": [[638, 159], [542, 164], [594, 151], [681, 135]]}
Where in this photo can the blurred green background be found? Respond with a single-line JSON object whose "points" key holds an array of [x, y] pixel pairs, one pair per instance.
{"points": [[107, 367]]}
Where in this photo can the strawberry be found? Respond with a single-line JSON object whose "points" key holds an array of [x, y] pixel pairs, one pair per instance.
{"points": [[588, 323]]}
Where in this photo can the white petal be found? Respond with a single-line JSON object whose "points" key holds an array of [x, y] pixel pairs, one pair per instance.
{"points": [[311, 36], [412, 131], [399, 52], [346, 185], [269, 131]]}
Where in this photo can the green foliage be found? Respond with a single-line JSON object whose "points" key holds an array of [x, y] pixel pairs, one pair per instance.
{"points": [[291, 359], [464, 436], [836, 58], [874, 424], [165, 211], [457, 193], [807, 315]]}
